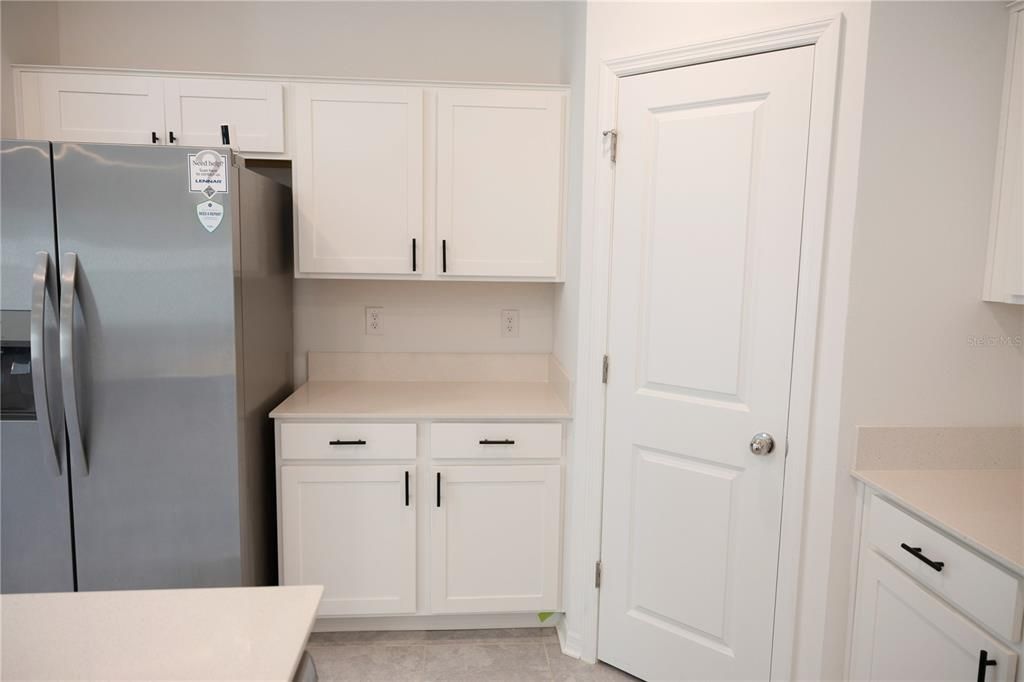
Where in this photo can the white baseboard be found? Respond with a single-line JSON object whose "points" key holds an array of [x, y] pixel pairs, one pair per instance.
{"points": [[569, 641], [457, 622]]}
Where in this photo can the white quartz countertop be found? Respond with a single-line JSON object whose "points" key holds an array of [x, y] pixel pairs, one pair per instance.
{"points": [[984, 508], [424, 400], [244, 633]]}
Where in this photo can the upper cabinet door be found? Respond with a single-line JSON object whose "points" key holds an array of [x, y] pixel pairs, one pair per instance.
{"points": [[253, 111], [98, 108], [359, 179], [500, 166], [1004, 276]]}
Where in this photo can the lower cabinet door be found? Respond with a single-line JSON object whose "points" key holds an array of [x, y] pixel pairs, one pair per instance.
{"points": [[351, 529], [904, 632], [494, 538]]}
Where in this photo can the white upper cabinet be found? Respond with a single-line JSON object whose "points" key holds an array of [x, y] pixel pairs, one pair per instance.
{"points": [[1004, 275], [500, 166], [197, 108], [358, 174], [78, 107]]}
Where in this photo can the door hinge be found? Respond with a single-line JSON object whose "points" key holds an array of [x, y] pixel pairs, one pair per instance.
{"points": [[604, 370], [613, 142], [597, 575]]}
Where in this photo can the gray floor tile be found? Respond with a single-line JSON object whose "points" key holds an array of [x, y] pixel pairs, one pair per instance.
{"points": [[391, 663], [499, 660], [568, 669]]}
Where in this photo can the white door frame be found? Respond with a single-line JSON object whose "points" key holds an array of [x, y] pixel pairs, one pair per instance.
{"points": [[806, 405]]}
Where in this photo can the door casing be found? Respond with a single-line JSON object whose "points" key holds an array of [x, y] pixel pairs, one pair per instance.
{"points": [[809, 405]]}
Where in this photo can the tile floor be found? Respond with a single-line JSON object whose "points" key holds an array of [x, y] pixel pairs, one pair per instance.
{"points": [[479, 655]]}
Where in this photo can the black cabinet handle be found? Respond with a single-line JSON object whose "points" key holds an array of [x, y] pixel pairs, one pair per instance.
{"points": [[444, 255], [225, 137], [414, 254], [497, 442], [916, 551], [348, 442], [406, 488], [170, 137], [983, 663], [439, 489], [154, 137]]}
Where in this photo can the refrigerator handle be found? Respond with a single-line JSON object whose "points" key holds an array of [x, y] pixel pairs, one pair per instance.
{"points": [[68, 279], [43, 286]]}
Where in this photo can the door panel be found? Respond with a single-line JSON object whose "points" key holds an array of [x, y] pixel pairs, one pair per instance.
{"points": [[359, 178], [95, 108], [351, 529], [902, 632], [499, 182], [252, 110], [494, 539], [35, 519], [705, 257], [155, 369]]}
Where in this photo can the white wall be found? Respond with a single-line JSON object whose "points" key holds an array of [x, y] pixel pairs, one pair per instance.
{"points": [[28, 34], [617, 29], [931, 109], [468, 41]]}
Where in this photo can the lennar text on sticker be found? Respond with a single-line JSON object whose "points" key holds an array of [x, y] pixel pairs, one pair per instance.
{"points": [[207, 172], [210, 214]]}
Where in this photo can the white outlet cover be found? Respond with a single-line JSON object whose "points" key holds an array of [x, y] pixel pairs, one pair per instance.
{"points": [[375, 321], [510, 323]]}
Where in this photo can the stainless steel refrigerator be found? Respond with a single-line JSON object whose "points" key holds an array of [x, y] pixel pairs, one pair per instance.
{"points": [[146, 334]]}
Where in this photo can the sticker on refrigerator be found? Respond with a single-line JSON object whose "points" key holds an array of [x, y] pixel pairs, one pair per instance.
{"points": [[210, 214], [208, 172]]}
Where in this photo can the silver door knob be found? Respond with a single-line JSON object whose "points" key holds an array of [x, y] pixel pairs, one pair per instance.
{"points": [[762, 443]]}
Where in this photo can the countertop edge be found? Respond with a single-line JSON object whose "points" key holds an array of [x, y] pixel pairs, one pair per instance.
{"points": [[972, 542]]}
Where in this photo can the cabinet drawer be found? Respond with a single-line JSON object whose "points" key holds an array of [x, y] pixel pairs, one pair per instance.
{"points": [[989, 594], [348, 441], [495, 441]]}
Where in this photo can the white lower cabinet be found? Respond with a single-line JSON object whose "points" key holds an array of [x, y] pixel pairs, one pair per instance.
{"points": [[903, 632], [494, 538], [351, 529]]}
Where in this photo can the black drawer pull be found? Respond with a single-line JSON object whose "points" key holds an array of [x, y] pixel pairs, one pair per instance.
{"points": [[444, 255], [406, 488], [225, 136], [414, 254], [916, 551], [348, 442], [439, 489], [497, 442], [983, 663]]}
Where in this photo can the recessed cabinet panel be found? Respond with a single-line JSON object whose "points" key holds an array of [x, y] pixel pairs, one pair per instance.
{"points": [[499, 182], [351, 529], [902, 632], [101, 108], [252, 111], [494, 538], [359, 179]]}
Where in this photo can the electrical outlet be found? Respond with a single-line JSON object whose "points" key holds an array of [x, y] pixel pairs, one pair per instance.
{"points": [[510, 323], [375, 321]]}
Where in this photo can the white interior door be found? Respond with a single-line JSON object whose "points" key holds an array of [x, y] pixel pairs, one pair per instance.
{"points": [[903, 632], [359, 179], [253, 111], [78, 107], [499, 182], [705, 257], [351, 529], [494, 539]]}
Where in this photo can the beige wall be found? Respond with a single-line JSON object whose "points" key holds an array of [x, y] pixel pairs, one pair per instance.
{"points": [[470, 41], [28, 35], [931, 110]]}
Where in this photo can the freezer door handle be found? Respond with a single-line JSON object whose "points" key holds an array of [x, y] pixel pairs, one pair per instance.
{"points": [[43, 287], [68, 277]]}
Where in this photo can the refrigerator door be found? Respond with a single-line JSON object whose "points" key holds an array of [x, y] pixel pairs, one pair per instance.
{"points": [[35, 521], [148, 341]]}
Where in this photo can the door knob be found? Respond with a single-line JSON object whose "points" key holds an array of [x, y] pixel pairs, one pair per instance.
{"points": [[762, 443]]}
